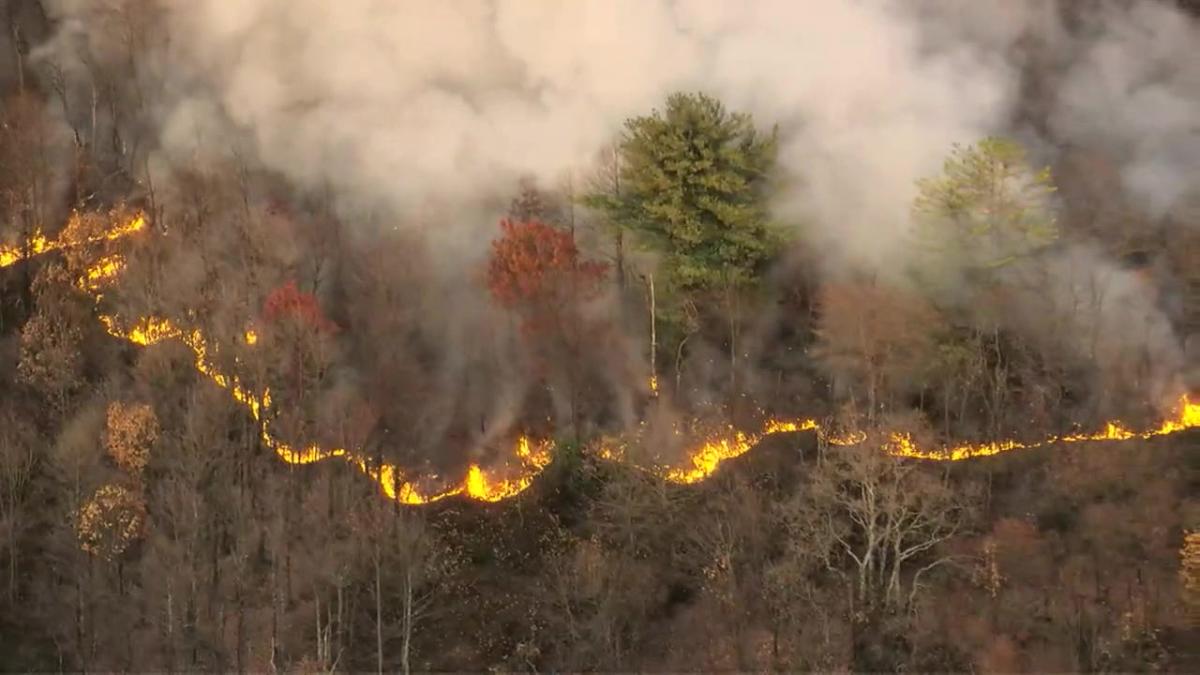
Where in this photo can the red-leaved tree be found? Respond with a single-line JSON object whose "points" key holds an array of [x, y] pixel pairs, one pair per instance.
{"points": [[297, 357], [536, 270], [287, 300]]}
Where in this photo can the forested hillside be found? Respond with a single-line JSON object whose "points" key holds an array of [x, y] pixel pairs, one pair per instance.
{"points": [[606, 335]]}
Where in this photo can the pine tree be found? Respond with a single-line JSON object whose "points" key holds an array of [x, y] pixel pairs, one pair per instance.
{"points": [[693, 188], [694, 180]]}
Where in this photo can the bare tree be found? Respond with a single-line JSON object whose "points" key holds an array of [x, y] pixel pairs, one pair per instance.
{"points": [[882, 516], [18, 440], [731, 537], [403, 556], [874, 338], [29, 145]]}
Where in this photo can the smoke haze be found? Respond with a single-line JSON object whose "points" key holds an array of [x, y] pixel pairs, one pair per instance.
{"points": [[423, 115], [397, 103]]}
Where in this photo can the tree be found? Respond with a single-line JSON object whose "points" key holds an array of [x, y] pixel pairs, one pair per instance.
{"points": [[988, 208], [406, 563], [131, 429], [29, 143], [289, 301], [977, 226], [694, 179], [693, 183], [874, 338], [598, 599], [733, 541], [295, 355], [606, 588], [110, 521], [878, 523], [604, 188], [18, 441], [536, 271], [51, 360], [1189, 574]]}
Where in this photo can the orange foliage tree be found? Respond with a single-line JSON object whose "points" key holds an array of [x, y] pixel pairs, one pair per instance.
{"points": [[287, 300], [536, 270], [131, 430]]}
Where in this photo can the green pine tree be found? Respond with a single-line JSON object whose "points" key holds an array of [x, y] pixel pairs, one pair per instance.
{"points": [[694, 180]]}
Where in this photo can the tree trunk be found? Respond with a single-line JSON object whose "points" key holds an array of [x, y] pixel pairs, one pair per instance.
{"points": [[616, 178], [570, 205], [679, 362], [408, 620], [378, 615], [12, 548], [241, 627], [731, 302], [16, 45], [620, 261], [167, 640], [653, 337]]}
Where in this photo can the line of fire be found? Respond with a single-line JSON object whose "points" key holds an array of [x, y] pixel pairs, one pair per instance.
{"points": [[529, 456]]}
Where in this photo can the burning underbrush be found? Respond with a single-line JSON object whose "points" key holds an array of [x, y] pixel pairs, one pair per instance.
{"points": [[507, 463]]}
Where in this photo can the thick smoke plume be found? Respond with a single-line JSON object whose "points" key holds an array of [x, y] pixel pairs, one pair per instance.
{"points": [[424, 114], [1133, 88], [399, 103]]}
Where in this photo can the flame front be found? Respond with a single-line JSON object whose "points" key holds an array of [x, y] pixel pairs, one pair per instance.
{"points": [[34, 246], [481, 484], [531, 456], [38, 243]]}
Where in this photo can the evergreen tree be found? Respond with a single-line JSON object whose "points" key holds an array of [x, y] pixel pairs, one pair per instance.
{"points": [[693, 189], [693, 186]]}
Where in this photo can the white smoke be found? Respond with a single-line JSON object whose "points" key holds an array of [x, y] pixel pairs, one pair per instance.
{"points": [[1083, 306], [410, 107], [1133, 88], [399, 102]]}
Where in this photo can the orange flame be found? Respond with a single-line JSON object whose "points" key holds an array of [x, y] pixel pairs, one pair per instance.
{"points": [[481, 484], [1184, 415], [532, 457], [103, 271], [36, 245], [39, 243]]}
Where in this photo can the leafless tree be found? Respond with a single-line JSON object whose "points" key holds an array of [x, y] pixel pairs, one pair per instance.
{"points": [[18, 440], [886, 516]]}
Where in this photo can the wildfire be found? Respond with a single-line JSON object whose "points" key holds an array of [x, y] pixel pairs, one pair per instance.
{"points": [[38, 243], [531, 457], [1185, 415], [103, 271], [481, 484]]}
